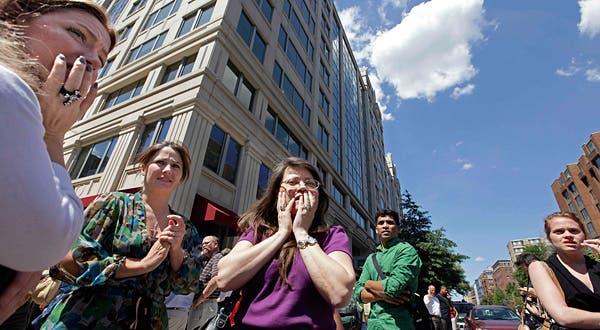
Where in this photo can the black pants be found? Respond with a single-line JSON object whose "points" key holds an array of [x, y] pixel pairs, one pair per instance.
{"points": [[21, 319]]}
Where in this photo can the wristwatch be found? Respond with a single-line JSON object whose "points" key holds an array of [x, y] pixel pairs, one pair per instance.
{"points": [[303, 243]]}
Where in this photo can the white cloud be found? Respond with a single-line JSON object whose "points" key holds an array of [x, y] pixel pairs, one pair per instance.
{"points": [[430, 50], [479, 259], [592, 75], [590, 17], [459, 143], [570, 70], [382, 10], [358, 32], [460, 91], [467, 166]]}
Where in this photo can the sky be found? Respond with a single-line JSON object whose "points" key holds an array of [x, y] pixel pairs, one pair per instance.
{"points": [[484, 104]]}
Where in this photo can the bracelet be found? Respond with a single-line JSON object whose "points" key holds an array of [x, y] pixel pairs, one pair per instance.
{"points": [[303, 243]]}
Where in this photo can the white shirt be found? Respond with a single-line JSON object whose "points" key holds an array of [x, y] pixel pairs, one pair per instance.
{"points": [[41, 216], [433, 305]]}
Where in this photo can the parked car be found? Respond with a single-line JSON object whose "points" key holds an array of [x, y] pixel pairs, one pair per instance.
{"points": [[492, 317], [463, 309], [351, 317]]}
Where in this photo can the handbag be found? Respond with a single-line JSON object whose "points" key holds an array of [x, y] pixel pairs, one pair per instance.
{"points": [[46, 289], [227, 310], [418, 310], [544, 321]]}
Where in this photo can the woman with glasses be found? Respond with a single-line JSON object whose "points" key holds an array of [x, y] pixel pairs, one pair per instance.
{"points": [[292, 268]]}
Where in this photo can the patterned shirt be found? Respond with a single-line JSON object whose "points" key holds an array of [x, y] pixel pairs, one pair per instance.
{"points": [[115, 228], [209, 271]]}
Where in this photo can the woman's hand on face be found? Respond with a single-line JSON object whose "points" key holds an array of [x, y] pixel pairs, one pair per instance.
{"points": [[157, 254], [306, 206], [284, 211], [173, 234], [59, 117], [593, 244]]}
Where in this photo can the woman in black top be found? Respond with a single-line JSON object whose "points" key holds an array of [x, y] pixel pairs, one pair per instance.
{"points": [[577, 274]]}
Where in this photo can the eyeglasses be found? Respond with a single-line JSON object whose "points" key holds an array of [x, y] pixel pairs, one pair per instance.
{"points": [[308, 183]]}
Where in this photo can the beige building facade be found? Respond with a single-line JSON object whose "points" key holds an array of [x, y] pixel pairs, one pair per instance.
{"points": [[243, 84]]}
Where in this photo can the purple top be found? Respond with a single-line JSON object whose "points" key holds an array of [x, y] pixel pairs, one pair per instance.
{"points": [[269, 303]]}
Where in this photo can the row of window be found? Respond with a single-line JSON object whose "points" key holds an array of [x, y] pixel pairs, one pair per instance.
{"points": [[289, 90]]}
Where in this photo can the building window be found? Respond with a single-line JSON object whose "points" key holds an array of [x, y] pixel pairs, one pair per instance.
{"points": [[137, 6], [263, 180], [179, 68], [561, 181], [567, 174], [591, 229], [105, 68], [323, 137], [284, 136], [116, 10], [324, 73], [591, 147], [266, 8], [124, 94], [249, 33], [222, 154], [337, 195], [195, 20], [154, 133], [322, 174], [291, 93], [161, 14], [146, 47], [596, 162], [292, 54], [573, 189], [234, 80], [298, 28], [572, 207], [93, 158], [324, 48], [358, 218], [124, 33], [323, 102], [579, 201]]}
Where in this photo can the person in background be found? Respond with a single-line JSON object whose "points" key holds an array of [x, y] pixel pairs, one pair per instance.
{"points": [[205, 305], [402, 264], [50, 53], [178, 308], [133, 251], [292, 267], [577, 274], [433, 306], [444, 308]]}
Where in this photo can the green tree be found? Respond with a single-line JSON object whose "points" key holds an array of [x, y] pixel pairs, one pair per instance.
{"points": [[440, 264]]}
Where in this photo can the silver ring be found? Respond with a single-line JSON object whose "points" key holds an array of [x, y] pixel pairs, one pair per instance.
{"points": [[282, 208], [69, 96], [305, 207]]}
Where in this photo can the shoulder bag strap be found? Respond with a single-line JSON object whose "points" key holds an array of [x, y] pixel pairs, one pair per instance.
{"points": [[377, 267]]}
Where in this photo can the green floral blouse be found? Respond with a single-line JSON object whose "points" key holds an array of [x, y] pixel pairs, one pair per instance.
{"points": [[115, 228]]}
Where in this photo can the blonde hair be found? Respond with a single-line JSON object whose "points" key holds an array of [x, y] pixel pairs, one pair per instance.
{"points": [[562, 214]]}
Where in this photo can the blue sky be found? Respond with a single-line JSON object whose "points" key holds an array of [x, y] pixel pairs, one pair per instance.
{"points": [[485, 102]]}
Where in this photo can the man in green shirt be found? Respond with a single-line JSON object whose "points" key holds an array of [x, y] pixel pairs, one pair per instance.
{"points": [[401, 265]]}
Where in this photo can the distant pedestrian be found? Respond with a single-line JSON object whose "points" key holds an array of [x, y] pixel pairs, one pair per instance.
{"points": [[401, 263], [433, 306], [444, 308]]}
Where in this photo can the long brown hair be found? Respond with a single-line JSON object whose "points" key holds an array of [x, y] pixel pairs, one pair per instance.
{"points": [[262, 216], [13, 53]]}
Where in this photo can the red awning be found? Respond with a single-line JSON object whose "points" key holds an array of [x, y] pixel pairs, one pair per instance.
{"points": [[207, 210]]}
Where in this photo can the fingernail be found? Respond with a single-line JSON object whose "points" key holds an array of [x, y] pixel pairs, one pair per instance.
{"points": [[88, 67], [81, 59], [61, 57]]}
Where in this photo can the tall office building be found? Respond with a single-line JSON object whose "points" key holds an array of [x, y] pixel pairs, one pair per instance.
{"points": [[502, 274], [243, 84], [577, 188]]}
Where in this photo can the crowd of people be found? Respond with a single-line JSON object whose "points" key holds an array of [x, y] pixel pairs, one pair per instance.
{"points": [[130, 261]]}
